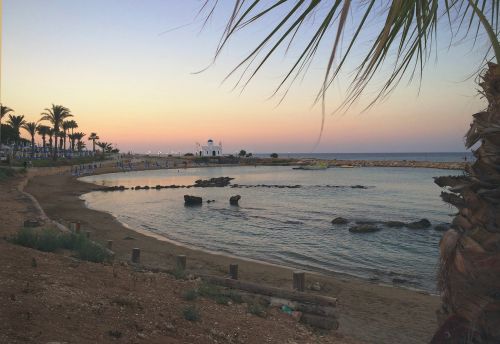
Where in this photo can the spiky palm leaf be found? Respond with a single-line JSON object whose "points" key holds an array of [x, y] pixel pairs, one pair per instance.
{"points": [[16, 122], [56, 114], [3, 111], [31, 128]]}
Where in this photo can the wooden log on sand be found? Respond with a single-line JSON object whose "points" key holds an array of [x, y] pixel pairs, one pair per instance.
{"points": [[233, 271], [271, 291], [136, 255]]}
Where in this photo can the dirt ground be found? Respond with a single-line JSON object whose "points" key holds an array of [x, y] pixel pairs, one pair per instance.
{"points": [[73, 300]]}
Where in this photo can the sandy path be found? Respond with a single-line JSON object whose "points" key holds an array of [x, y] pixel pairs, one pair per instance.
{"points": [[368, 312]]}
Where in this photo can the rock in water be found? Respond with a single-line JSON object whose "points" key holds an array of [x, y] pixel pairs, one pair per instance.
{"points": [[422, 224], [442, 227], [192, 200], [364, 229], [234, 200], [395, 224], [339, 221]]}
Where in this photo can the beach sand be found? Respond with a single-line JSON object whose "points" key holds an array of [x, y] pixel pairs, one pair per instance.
{"points": [[367, 311]]}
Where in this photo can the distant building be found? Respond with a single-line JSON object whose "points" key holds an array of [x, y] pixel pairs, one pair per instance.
{"points": [[209, 150]]}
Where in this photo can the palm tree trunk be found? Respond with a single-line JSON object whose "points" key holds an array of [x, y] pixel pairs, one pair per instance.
{"points": [[32, 146], [470, 250]]}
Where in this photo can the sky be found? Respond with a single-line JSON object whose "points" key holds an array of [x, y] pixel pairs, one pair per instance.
{"points": [[126, 73]]}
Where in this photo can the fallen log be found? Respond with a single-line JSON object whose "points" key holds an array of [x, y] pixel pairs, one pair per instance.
{"points": [[317, 321], [271, 291]]}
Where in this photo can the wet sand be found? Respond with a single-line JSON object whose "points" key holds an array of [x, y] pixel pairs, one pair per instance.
{"points": [[366, 311]]}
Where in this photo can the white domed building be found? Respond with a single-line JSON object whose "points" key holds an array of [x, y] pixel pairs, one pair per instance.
{"points": [[210, 149]]}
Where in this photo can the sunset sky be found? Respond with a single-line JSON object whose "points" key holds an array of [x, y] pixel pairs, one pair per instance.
{"points": [[123, 76]]}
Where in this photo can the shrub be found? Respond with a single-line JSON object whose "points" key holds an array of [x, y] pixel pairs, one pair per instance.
{"points": [[191, 313], [190, 295], [235, 297], [6, 172], [92, 252], [274, 155], [208, 290], [222, 299], [50, 240], [257, 309], [178, 273]]}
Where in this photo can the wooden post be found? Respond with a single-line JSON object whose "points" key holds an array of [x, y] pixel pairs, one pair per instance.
{"points": [[110, 244], [87, 234], [233, 271], [136, 255], [180, 262], [77, 227], [299, 280]]}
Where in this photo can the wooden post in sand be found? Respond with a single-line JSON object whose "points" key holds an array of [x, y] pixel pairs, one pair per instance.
{"points": [[233, 271], [136, 255], [180, 262], [109, 245], [299, 280]]}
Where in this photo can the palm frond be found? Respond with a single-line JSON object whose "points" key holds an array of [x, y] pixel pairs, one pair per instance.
{"points": [[404, 40]]}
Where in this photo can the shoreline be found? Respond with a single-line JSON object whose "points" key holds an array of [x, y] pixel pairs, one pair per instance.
{"points": [[387, 314]]}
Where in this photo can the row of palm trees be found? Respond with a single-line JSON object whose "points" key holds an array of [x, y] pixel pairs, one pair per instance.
{"points": [[60, 131]]}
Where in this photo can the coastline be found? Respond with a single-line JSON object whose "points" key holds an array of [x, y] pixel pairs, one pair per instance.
{"points": [[386, 314]]}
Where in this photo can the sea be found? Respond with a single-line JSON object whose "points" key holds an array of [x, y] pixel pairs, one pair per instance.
{"points": [[292, 226], [434, 157]]}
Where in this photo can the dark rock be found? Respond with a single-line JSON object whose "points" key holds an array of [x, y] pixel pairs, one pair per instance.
{"points": [[339, 221], [366, 228], [146, 187], [358, 187], [128, 238], [366, 222], [234, 200], [421, 224], [395, 224], [192, 200], [158, 187], [442, 227], [213, 182], [138, 187]]}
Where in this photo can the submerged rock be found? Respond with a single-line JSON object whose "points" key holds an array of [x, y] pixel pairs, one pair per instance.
{"points": [[366, 228], [359, 187], [421, 224], [234, 200], [192, 200], [395, 224], [339, 221], [442, 227]]}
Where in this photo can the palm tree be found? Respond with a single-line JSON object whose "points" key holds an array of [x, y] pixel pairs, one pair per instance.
{"points": [[404, 38], [51, 135], [31, 128], [78, 137], [56, 115], [93, 137], [105, 146], [43, 131], [4, 110], [71, 124], [16, 123]]}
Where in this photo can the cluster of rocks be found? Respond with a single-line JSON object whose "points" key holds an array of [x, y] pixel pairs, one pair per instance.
{"points": [[213, 182], [296, 186], [397, 163], [158, 187], [113, 188], [190, 200], [373, 226]]}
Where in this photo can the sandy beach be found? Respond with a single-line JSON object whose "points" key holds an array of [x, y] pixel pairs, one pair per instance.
{"points": [[367, 312]]}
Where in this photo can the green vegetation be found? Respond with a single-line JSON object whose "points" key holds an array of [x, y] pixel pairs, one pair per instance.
{"points": [[242, 153], [190, 295], [6, 172], [257, 309], [178, 273], [274, 155], [219, 295], [51, 240], [191, 313]]}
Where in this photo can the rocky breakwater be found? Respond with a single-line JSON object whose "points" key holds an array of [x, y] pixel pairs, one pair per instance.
{"points": [[398, 163], [213, 182]]}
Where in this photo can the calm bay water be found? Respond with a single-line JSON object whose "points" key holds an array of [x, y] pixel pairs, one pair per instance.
{"points": [[434, 157], [293, 226]]}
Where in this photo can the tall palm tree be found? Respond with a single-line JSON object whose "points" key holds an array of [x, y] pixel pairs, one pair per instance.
{"points": [[43, 131], [78, 136], [51, 135], [16, 123], [31, 128], [4, 110], [93, 137], [405, 33], [105, 147], [56, 115], [67, 125]]}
